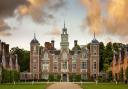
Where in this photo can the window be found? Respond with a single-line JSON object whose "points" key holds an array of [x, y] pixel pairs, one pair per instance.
{"points": [[34, 68], [94, 47], [94, 65], [65, 56], [34, 49], [74, 66], [45, 66], [64, 65], [45, 76], [74, 58], [83, 65], [55, 65], [84, 76], [46, 56], [94, 52]]}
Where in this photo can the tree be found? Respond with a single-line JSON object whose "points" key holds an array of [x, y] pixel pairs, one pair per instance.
{"points": [[105, 67], [121, 75], [76, 47], [88, 46], [116, 47], [23, 58], [126, 73], [108, 53], [102, 55], [110, 76]]}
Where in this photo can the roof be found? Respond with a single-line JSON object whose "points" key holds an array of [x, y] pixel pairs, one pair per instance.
{"points": [[71, 52], [94, 39], [34, 40]]}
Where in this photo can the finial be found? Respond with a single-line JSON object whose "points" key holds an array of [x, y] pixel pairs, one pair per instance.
{"points": [[34, 36], [64, 23], [94, 35]]}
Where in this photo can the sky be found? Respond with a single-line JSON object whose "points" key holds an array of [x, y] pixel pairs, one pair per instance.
{"points": [[20, 19]]}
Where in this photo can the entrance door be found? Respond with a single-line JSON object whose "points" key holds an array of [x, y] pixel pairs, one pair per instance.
{"points": [[65, 77]]}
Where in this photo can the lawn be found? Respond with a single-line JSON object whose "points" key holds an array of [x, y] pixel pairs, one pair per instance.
{"points": [[23, 86], [104, 86]]}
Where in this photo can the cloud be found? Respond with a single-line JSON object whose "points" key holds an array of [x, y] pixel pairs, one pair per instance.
{"points": [[5, 33], [123, 39], [56, 31], [117, 17], [4, 28], [3, 25], [93, 18], [7, 7], [41, 10], [109, 16]]}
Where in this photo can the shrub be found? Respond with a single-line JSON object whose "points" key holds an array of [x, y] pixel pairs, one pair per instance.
{"points": [[75, 78], [9, 76]]}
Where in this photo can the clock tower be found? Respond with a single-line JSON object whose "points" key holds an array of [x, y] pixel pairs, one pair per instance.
{"points": [[64, 40]]}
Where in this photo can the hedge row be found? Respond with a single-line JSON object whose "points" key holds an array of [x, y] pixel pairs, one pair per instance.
{"points": [[9, 76]]}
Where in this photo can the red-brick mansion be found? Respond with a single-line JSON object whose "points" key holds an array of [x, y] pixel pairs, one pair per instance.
{"points": [[47, 61]]}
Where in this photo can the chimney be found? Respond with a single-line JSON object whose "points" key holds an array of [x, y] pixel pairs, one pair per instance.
{"points": [[52, 42], [75, 43], [46, 44]]}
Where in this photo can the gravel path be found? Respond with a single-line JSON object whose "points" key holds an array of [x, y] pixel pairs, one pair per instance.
{"points": [[64, 85]]}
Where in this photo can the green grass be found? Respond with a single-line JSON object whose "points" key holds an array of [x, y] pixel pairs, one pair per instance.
{"points": [[104, 86], [84, 86], [23, 86]]}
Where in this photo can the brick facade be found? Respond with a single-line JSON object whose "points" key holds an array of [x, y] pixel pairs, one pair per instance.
{"points": [[64, 62]]}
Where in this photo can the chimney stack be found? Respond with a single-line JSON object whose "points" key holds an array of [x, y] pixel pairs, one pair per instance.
{"points": [[52, 42], [75, 42]]}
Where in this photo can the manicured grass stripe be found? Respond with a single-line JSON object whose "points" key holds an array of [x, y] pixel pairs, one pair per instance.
{"points": [[35, 86], [104, 86]]}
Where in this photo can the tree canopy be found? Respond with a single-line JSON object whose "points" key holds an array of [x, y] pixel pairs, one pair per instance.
{"points": [[23, 58]]}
